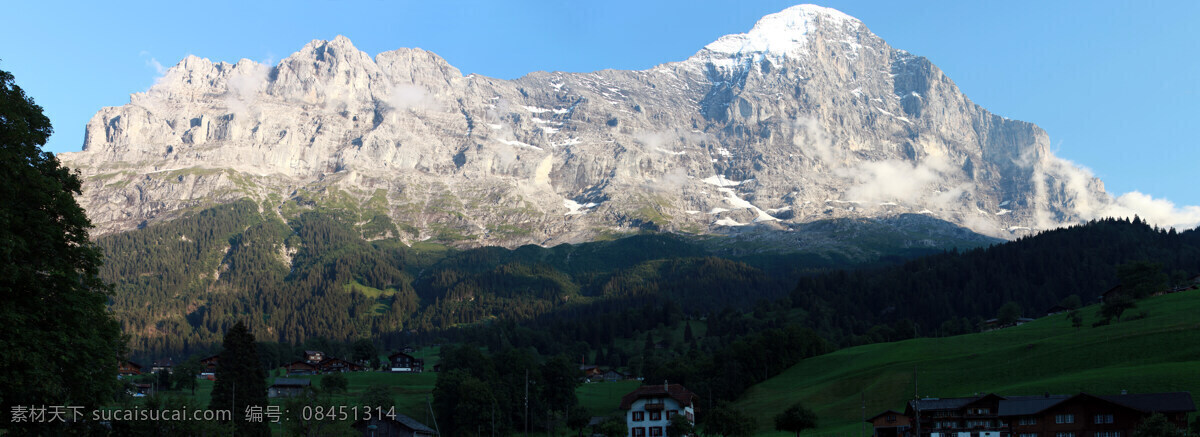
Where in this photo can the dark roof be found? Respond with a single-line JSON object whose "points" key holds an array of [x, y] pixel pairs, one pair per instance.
{"points": [[1174, 402], [134, 364], [393, 356], [165, 362], [884, 414], [291, 382], [300, 363], [405, 421], [1026, 405], [675, 391], [929, 404]]}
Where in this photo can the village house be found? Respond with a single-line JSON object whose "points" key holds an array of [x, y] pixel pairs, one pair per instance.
{"points": [[402, 362], [891, 423], [161, 365], [301, 367], [314, 357], [400, 426], [1047, 415], [209, 366], [129, 368], [289, 387], [613, 375], [649, 409], [337, 365]]}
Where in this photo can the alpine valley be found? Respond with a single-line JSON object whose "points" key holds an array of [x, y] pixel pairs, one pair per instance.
{"points": [[337, 195]]}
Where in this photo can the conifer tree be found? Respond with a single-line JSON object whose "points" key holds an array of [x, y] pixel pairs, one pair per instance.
{"points": [[241, 381]]}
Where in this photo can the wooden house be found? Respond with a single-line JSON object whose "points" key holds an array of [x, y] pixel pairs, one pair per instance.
{"points": [[991, 415], [402, 362], [891, 423], [289, 387], [398, 426], [314, 356], [129, 368], [337, 365], [301, 368], [161, 365]]}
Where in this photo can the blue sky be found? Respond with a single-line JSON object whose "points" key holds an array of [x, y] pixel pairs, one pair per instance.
{"points": [[1114, 83]]}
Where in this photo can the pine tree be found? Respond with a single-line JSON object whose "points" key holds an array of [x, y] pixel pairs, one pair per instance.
{"points": [[241, 380]]}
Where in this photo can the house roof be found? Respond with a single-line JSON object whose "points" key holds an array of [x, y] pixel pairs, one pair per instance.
{"points": [[884, 414], [165, 362], [307, 352], [1173, 402], [674, 391], [291, 382], [404, 421], [413, 424], [1026, 405], [300, 363], [393, 356], [929, 404]]}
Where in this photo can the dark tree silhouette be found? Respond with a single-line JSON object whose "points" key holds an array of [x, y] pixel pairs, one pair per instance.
{"points": [[241, 380], [61, 346]]}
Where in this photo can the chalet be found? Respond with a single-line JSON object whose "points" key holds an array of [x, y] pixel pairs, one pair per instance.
{"points": [[398, 426], [314, 357], [991, 415], [129, 368], [437, 367], [289, 387], [209, 366], [407, 349], [402, 362], [649, 409], [165, 364], [1111, 293], [590, 371], [301, 368], [332, 365], [891, 423], [613, 375]]}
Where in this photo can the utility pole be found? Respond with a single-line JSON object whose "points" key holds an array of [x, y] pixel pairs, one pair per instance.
{"points": [[526, 402], [863, 423]]}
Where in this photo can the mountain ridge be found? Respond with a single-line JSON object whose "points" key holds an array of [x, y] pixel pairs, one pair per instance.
{"points": [[847, 127]]}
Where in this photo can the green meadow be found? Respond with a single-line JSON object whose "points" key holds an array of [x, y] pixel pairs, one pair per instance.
{"points": [[1155, 353]]}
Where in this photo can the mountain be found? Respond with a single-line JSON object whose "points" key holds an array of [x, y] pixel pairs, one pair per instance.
{"points": [[808, 116]]}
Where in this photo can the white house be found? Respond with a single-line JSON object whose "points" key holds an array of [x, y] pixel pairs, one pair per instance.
{"points": [[649, 409]]}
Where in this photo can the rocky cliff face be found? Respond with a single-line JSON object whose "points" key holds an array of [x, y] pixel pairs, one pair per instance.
{"points": [[807, 116]]}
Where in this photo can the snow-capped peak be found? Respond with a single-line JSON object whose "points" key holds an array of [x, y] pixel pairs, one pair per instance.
{"points": [[780, 33]]}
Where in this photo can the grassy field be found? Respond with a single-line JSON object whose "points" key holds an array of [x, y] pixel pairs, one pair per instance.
{"points": [[1160, 352]]}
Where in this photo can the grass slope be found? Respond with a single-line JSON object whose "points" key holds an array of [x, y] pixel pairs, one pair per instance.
{"points": [[1160, 352]]}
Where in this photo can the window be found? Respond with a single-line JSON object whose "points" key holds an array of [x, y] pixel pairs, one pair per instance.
{"points": [[1107, 434], [671, 413], [639, 432], [891, 418], [656, 431], [979, 423], [1064, 434], [1064, 418], [639, 416], [1104, 418], [656, 415], [1028, 434], [1027, 420]]}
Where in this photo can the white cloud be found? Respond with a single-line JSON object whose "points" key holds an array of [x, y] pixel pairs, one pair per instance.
{"points": [[811, 138], [1161, 212], [896, 180], [1059, 181], [408, 96]]}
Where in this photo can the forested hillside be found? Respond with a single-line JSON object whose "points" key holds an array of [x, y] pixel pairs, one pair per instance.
{"points": [[178, 285], [318, 275]]}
